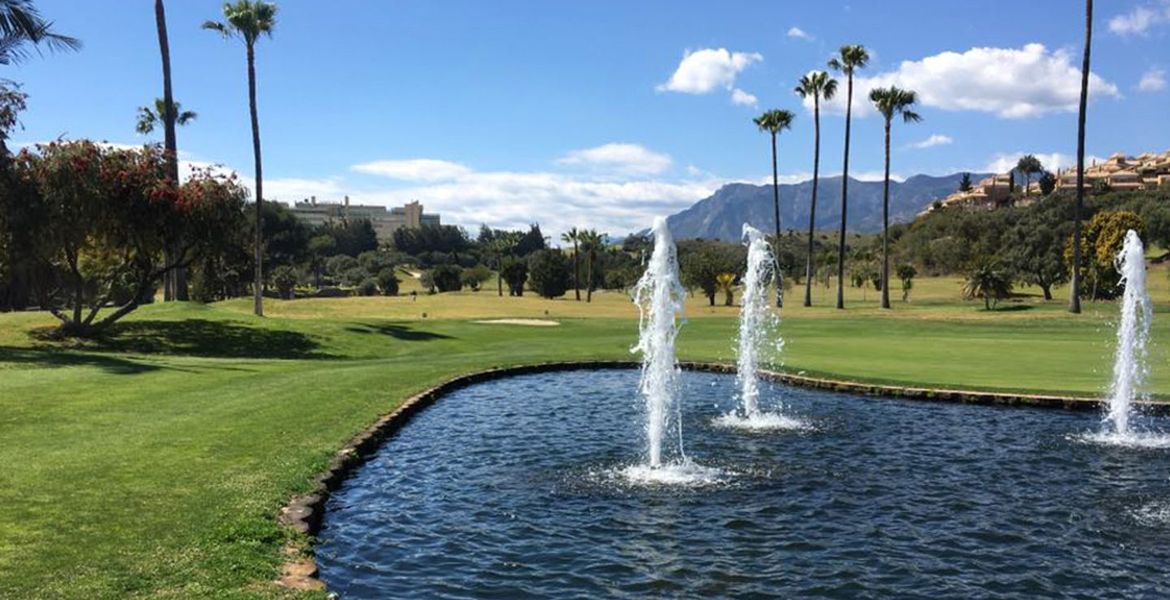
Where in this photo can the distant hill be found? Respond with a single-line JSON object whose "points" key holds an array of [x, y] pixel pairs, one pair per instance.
{"points": [[722, 215]]}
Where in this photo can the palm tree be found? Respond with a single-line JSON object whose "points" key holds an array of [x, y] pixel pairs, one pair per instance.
{"points": [[1029, 165], [988, 282], [774, 121], [573, 236], [591, 243], [150, 117], [847, 61], [1074, 300], [889, 102], [248, 20], [21, 24], [817, 85], [166, 110]]}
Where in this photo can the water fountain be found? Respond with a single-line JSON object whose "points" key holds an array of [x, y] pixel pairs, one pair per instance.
{"points": [[659, 296], [758, 333], [1129, 365]]}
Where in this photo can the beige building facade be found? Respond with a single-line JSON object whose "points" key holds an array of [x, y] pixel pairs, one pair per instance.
{"points": [[384, 220]]}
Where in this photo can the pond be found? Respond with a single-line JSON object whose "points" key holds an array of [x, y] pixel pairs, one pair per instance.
{"points": [[514, 488]]}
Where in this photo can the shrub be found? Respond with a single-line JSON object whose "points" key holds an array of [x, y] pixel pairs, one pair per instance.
{"points": [[475, 276], [515, 273], [447, 278], [368, 287], [549, 273], [388, 281], [284, 278]]}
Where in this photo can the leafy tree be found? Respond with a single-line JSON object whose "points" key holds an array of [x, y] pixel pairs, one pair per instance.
{"points": [[447, 278], [427, 281], [320, 247], [373, 261], [149, 118], [350, 236], [284, 278], [725, 282], [989, 282], [100, 219], [336, 265], [573, 236], [500, 245], [847, 61], [388, 281], [474, 277], [248, 20], [1047, 183], [21, 26], [890, 102], [906, 273], [531, 241], [367, 287], [515, 273], [444, 239], [1033, 245], [1028, 166], [773, 122], [965, 183], [1102, 240], [701, 263], [549, 273], [817, 85], [592, 243]]}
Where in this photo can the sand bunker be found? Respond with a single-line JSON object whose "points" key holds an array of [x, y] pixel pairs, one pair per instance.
{"points": [[528, 322]]}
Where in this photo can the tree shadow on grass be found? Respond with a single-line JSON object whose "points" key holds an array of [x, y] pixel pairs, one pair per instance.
{"points": [[64, 358], [398, 332], [211, 339], [1013, 308]]}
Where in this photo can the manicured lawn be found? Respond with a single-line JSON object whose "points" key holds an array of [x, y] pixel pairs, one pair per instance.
{"points": [[154, 464]]}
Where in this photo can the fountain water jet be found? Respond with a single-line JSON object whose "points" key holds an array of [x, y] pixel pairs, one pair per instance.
{"points": [[659, 296], [1129, 365], [758, 328]]}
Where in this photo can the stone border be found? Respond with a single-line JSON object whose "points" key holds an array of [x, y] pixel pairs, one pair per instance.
{"points": [[304, 513]]}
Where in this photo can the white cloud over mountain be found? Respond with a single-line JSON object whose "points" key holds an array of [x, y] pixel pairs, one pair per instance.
{"points": [[619, 158], [936, 139], [1008, 82]]}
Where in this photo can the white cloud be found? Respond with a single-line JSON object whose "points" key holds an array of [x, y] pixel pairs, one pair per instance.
{"points": [[1003, 162], [1153, 80], [416, 169], [936, 139], [742, 98], [630, 159], [800, 34], [1011, 83], [707, 70], [1139, 20]]}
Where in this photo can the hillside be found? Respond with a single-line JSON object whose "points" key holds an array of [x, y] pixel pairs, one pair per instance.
{"points": [[723, 214]]}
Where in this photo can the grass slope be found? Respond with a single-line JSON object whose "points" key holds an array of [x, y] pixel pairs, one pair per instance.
{"points": [[153, 464]]}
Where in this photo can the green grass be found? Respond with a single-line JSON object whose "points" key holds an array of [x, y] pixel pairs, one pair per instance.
{"points": [[153, 464]]}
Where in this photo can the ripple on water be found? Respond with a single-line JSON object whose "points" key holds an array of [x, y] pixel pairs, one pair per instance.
{"points": [[1136, 439], [765, 421]]}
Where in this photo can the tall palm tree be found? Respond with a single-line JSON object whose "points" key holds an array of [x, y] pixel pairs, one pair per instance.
{"points": [[817, 85], [847, 61], [1029, 165], [22, 25], [591, 243], [248, 20], [167, 111], [574, 236], [149, 117], [1074, 300], [774, 121], [890, 102]]}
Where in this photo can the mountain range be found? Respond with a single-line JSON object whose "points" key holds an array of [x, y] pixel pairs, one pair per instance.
{"points": [[722, 215]]}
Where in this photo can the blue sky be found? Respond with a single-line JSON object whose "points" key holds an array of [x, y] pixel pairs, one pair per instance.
{"points": [[599, 114]]}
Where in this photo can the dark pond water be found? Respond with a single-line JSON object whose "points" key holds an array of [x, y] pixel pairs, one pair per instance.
{"points": [[508, 490]]}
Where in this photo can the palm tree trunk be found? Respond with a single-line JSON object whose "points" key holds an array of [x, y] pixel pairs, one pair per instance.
{"points": [[499, 275], [776, 244], [1074, 300], [258, 284], [589, 278], [844, 199], [170, 289], [886, 225], [812, 210], [576, 271]]}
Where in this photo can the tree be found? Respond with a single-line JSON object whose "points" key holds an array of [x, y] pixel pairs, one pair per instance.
{"points": [[99, 221], [474, 277], [1029, 165], [531, 241], [725, 282], [284, 278], [447, 278], [149, 118], [1033, 245], [701, 263], [1047, 183], [965, 183], [166, 109], [1102, 240], [515, 273], [549, 273], [818, 85], [591, 243], [774, 121], [574, 236], [248, 20], [906, 273], [21, 25], [989, 282], [387, 281], [501, 245], [320, 247], [847, 61], [890, 102], [1074, 300]]}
